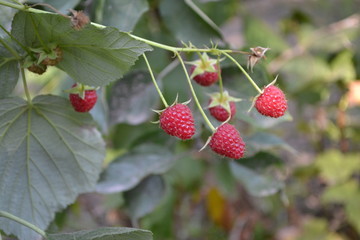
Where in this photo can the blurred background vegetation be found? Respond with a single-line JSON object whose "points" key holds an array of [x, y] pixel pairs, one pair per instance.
{"points": [[300, 178]]}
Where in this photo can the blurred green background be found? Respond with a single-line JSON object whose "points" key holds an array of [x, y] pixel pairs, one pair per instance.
{"points": [[300, 177]]}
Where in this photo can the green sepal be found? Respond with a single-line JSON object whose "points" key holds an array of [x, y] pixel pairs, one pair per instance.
{"points": [[223, 100], [80, 89], [204, 64]]}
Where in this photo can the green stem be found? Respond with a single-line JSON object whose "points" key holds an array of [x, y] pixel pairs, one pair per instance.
{"points": [[23, 222], [10, 49], [194, 94], [154, 81], [13, 5], [243, 70], [26, 89], [220, 77]]}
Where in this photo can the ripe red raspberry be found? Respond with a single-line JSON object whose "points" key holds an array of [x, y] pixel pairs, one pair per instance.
{"points": [[227, 141], [220, 113], [178, 121], [206, 78], [83, 104], [272, 102]]}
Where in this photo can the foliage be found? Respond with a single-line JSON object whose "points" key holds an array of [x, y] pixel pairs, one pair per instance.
{"points": [[299, 178]]}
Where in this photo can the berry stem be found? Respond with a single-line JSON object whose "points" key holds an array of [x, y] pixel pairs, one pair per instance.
{"points": [[26, 89], [194, 94], [220, 77], [244, 72], [154, 81], [23, 222]]}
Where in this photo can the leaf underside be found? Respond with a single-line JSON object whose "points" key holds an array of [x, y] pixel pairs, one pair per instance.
{"points": [[49, 155]]}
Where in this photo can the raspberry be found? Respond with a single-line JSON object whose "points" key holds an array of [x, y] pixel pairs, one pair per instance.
{"points": [[272, 102], [37, 68], [178, 121], [84, 104], [220, 113], [227, 141], [206, 78], [55, 60]]}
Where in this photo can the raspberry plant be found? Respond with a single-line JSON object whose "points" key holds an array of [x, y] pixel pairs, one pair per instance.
{"points": [[51, 152]]}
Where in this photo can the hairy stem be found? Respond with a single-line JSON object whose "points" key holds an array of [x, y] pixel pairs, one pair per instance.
{"points": [[26, 89], [154, 81], [23, 222], [244, 72], [194, 94]]}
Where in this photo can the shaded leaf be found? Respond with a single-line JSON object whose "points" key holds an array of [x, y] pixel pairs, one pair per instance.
{"points": [[261, 160], [49, 155], [186, 24], [145, 197], [128, 170], [125, 15], [106, 233], [264, 140], [93, 56], [9, 73], [132, 99], [256, 184]]}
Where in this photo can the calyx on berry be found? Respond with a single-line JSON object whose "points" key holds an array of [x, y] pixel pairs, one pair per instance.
{"points": [[203, 65], [50, 56], [80, 89], [220, 102]]}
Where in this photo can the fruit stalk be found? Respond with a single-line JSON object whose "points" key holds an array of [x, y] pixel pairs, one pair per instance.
{"points": [[243, 70], [194, 94], [154, 81], [23, 222], [26, 89]]}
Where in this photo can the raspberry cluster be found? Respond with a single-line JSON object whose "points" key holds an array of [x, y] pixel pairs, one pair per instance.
{"points": [[177, 120]]}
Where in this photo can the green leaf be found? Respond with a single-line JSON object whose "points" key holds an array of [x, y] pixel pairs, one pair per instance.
{"points": [[260, 161], [256, 184], [93, 56], [145, 197], [123, 16], [186, 24], [128, 170], [132, 98], [330, 162], [341, 193], [264, 141], [106, 233], [9, 73], [49, 154]]}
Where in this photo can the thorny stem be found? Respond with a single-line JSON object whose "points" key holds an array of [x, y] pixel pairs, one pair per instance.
{"points": [[194, 94], [154, 81], [23, 222], [244, 72], [26, 89]]}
